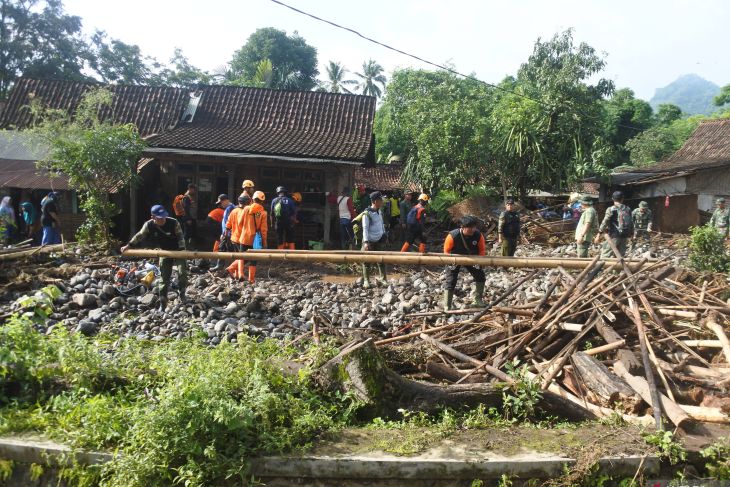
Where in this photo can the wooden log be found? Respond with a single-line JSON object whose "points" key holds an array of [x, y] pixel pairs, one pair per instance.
{"points": [[675, 414], [371, 258], [466, 358], [605, 348], [47, 249], [571, 327], [706, 414], [703, 343], [444, 372], [479, 343], [414, 334], [678, 313], [712, 324], [604, 383]]}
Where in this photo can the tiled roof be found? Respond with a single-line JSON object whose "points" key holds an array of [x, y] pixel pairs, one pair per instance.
{"points": [[153, 109], [277, 122], [707, 147], [383, 177], [24, 174]]}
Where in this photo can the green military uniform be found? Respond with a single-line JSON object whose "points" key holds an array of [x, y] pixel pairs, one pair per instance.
{"points": [[610, 224], [586, 230], [720, 220], [509, 229], [643, 218], [166, 237]]}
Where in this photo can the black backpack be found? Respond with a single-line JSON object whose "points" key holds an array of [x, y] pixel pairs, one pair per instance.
{"points": [[624, 222]]}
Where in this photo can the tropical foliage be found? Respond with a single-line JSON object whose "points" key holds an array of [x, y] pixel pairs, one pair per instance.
{"points": [[371, 79], [337, 81]]}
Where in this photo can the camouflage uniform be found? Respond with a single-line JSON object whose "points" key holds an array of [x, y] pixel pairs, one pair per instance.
{"points": [[643, 218], [610, 225], [509, 222], [589, 221], [721, 220]]}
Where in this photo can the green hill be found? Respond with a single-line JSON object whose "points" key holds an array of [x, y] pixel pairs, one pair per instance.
{"points": [[690, 92]]}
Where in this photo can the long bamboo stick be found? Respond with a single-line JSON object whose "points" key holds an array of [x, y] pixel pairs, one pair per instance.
{"points": [[47, 249], [367, 258]]}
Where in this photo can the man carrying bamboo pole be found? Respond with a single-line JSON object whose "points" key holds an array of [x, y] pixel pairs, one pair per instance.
{"points": [[165, 233], [373, 235], [619, 226], [466, 240]]}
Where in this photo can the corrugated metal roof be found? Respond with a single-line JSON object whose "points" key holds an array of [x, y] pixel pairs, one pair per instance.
{"points": [[26, 175]]}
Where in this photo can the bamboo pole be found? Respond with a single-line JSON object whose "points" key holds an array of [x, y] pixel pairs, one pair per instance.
{"points": [[37, 250], [369, 258]]}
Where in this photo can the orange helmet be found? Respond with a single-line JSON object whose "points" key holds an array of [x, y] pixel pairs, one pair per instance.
{"points": [[259, 195], [423, 197], [297, 196], [248, 184]]}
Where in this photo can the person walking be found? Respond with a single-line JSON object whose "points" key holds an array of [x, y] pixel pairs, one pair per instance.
{"points": [[466, 240], [215, 220], [31, 221], [508, 228], [618, 225], [643, 222], [720, 219], [416, 221], [50, 220], [404, 207], [587, 227], [283, 212], [184, 207], [233, 234], [346, 213], [163, 232], [373, 236], [255, 229]]}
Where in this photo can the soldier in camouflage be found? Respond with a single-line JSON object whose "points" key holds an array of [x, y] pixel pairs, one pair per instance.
{"points": [[643, 222], [721, 218], [508, 230]]}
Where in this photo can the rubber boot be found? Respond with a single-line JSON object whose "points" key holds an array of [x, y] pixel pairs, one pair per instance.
{"points": [[163, 304], [233, 269], [448, 300], [383, 280], [241, 271], [422, 248], [478, 295], [251, 274], [405, 247], [365, 277], [292, 246]]}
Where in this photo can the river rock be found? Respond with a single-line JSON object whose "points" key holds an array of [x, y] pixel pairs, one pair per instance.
{"points": [[84, 300]]}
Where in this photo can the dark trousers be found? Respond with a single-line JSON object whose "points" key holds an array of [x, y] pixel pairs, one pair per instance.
{"points": [[166, 264], [284, 231], [452, 275], [375, 247], [346, 235], [413, 233]]}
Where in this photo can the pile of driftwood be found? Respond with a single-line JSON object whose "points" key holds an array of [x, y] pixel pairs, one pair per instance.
{"points": [[647, 344]]}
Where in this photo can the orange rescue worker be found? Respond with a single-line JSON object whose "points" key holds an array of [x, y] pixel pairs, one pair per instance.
{"points": [[415, 221], [251, 220], [248, 189], [215, 217], [466, 240], [234, 231]]}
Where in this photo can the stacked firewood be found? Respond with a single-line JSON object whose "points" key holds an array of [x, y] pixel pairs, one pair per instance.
{"points": [[648, 343]]}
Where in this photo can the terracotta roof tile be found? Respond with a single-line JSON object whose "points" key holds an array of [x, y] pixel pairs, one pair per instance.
{"points": [[384, 177], [707, 147]]}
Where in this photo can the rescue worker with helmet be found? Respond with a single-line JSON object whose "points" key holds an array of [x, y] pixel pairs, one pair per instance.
{"points": [[252, 221], [233, 234], [283, 212], [249, 188], [466, 240], [415, 222]]}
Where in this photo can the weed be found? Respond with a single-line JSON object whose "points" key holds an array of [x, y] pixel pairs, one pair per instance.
{"points": [[6, 469], [521, 397], [717, 458], [707, 250], [36, 471], [667, 445]]}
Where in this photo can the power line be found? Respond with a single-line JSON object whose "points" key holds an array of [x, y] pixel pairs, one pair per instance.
{"points": [[426, 61]]}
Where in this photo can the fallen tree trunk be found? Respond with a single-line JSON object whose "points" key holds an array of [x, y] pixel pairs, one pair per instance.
{"points": [[360, 370], [605, 385]]}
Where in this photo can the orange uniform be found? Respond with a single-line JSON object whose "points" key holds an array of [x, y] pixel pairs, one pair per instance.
{"points": [[254, 218], [235, 224], [475, 242]]}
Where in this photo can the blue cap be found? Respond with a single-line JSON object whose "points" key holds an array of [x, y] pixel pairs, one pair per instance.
{"points": [[159, 211]]}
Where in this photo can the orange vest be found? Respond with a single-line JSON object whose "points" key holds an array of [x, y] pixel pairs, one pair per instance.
{"points": [[216, 214], [235, 224], [254, 217]]}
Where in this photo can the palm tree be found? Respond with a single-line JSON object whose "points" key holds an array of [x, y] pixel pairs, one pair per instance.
{"points": [[336, 81], [372, 73]]}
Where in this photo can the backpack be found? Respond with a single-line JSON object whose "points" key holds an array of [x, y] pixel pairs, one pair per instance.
{"points": [[412, 217], [178, 206], [282, 208], [511, 228], [624, 222]]}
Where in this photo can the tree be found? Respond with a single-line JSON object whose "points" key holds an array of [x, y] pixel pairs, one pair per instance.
{"points": [[371, 76], [666, 114], [38, 39], [625, 117], [438, 122], [559, 138], [723, 98], [294, 62], [336, 78], [181, 73], [96, 155], [117, 62]]}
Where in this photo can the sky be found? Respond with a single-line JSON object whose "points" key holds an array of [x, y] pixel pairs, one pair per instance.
{"points": [[647, 43]]}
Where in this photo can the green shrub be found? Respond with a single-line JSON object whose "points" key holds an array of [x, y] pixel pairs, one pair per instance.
{"points": [[707, 250], [717, 458]]}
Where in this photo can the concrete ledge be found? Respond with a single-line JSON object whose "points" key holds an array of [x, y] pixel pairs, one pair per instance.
{"points": [[525, 467], [48, 452]]}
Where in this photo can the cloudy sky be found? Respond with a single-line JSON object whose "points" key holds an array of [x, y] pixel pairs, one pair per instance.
{"points": [[648, 43]]}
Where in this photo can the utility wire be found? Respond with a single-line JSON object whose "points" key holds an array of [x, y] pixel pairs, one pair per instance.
{"points": [[426, 61]]}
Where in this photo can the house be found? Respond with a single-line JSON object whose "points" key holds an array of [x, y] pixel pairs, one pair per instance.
{"points": [[218, 136], [683, 187]]}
